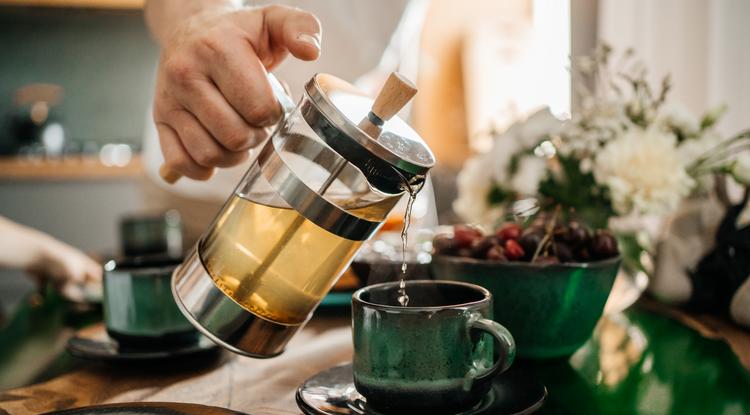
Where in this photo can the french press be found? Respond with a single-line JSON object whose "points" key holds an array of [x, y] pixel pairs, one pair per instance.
{"points": [[320, 186]]}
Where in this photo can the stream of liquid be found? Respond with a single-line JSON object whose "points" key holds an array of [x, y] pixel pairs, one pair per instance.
{"points": [[403, 297]]}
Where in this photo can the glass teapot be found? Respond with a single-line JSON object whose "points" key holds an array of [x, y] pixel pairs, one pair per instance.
{"points": [[320, 186]]}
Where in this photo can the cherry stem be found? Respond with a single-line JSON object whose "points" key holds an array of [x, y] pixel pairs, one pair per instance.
{"points": [[548, 234]]}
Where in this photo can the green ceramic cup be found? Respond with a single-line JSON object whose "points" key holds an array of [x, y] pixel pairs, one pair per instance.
{"points": [[550, 309], [434, 356], [139, 310]]}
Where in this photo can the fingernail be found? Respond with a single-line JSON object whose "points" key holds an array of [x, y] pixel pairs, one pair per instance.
{"points": [[311, 39]]}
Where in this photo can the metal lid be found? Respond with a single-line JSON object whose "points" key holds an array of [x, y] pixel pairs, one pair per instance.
{"points": [[338, 108]]}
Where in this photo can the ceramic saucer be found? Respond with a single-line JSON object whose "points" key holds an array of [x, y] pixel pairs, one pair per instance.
{"points": [[93, 343], [147, 408], [332, 392]]}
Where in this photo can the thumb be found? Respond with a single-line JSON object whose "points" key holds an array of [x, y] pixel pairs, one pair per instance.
{"points": [[295, 30]]}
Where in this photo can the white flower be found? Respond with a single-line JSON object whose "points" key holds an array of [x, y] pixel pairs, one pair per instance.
{"points": [[498, 158], [521, 136], [474, 183], [741, 168], [531, 171], [692, 149], [677, 117], [643, 171], [538, 126]]}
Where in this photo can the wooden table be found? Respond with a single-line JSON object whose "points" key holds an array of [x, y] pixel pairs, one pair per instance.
{"points": [[250, 385], [639, 361]]}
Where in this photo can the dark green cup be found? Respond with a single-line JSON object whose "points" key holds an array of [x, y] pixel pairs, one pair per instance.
{"points": [[139, 309], [434, 356]]}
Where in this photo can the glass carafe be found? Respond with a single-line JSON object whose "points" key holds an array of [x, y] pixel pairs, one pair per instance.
{"points": [[317, 190]]}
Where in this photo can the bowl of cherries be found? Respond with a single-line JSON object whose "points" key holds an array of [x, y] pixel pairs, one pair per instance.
{"points": [[549, 279]]}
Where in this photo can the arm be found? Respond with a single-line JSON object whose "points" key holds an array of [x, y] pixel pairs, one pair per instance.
{"points": [[40, 254], [163, 15], [212, 100]]}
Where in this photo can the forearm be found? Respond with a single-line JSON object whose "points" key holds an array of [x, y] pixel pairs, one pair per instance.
{"points": [[22, 246], [163, 15]]}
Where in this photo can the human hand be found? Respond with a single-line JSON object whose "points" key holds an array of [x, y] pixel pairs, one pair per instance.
{"points": [[74, 274], [213, 101], [45, 257]]}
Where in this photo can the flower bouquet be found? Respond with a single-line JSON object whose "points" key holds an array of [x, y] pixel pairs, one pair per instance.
{"points": [[626, 160]]}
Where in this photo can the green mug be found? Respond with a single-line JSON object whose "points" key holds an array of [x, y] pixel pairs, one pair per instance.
{"points": [[433, 356], [139, 309]]}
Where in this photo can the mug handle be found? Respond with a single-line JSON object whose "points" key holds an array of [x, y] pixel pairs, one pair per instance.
{"points": [[503, 340]]}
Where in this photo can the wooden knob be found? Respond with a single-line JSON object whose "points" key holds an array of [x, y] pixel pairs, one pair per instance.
{"points": [[168, 175], [396, 92]]}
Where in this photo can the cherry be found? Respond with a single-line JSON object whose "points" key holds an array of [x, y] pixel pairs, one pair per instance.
{"points": [[443, 245], [529, 241], [496, 253], [464, 235], [480, 246], [576, 233], [604, 245], [546, 259], [509, 231], [513, 251], [563, 252], [582, 254]]}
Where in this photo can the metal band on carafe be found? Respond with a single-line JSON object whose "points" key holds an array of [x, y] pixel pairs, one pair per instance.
{"points": [[307, 201]]}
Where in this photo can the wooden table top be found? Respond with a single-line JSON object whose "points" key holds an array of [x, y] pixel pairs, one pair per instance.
{"points": [[249, 385], [643, 360]]}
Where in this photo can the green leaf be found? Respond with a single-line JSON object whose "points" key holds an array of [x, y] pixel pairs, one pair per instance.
{"points": [[498, 195], [573, 189]]}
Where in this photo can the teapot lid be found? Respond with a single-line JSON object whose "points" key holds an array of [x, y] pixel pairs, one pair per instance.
{"points": [[338, 108]]}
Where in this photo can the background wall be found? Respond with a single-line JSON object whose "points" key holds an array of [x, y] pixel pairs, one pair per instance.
{"points": [[104, 60], [702, 44], [106, 63]]}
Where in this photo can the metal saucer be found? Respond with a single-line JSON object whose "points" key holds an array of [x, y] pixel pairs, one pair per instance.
{"points": [[332, 392]]}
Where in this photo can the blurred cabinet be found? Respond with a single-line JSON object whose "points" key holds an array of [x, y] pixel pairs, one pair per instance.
{"points": [[93, 4]]}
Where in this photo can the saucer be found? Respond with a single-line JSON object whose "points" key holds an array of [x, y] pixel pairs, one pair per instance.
{"points": [[93, 343], [332, 392], [147, 408]]}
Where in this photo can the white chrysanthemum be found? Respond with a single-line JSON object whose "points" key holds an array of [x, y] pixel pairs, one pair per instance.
{"points": [[741, 168], [531, 171], [643, 171], [474, 182], [538, 126], [498, 158], [692, 149], [678, 117]]}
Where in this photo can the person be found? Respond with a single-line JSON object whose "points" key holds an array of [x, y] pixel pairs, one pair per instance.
{"points": [[212, 101], [44, 257]]}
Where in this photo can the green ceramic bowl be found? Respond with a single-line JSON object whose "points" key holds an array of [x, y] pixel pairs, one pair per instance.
{"points": [[551, 310]]}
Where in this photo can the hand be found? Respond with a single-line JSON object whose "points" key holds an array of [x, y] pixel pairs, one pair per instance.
{"points": [[71, 271], [46, 257], [213, 101]]}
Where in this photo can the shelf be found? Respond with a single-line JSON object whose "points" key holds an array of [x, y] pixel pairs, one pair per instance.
{"points": [[71, 168], [91, 4]]}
